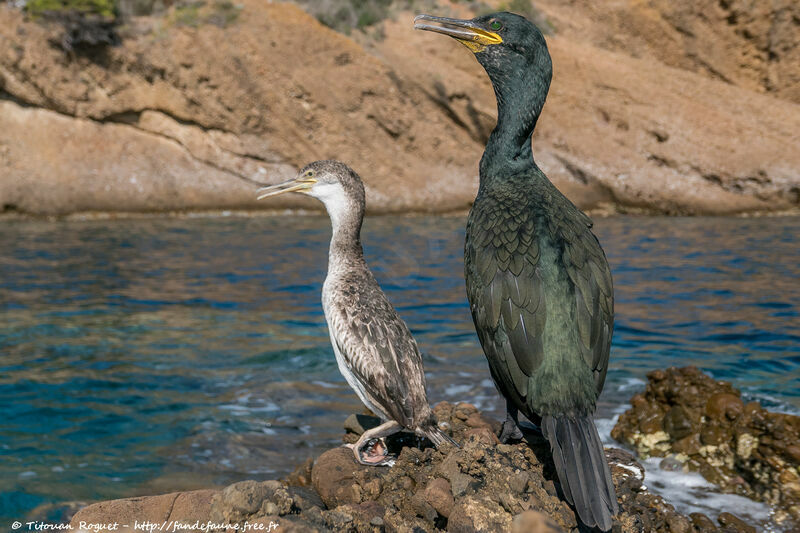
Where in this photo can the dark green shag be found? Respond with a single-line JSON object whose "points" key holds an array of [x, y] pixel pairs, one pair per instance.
{"points": [[538, 282]]}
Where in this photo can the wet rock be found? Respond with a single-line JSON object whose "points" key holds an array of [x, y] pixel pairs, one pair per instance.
{"points": [[702, 523], [677, 423], [744, 449], [670, 464], [724, 406], [734, 524]]}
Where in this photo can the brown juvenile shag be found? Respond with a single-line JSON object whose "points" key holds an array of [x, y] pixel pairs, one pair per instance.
{"points": [[374, 349]]}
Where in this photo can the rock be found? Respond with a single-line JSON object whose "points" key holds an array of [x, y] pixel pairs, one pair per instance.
{"points": [[742, 448], [241, 501], [333, 477], [197, 118], [677, 423], [724, 406], [177, 506], [751, 45], [534, 522], [461, 522], [359, 423], [679, 524], [702, 523], [439, 496], [421, 506], [482, 434], [480, 487], [304, 498], [301, 476], [734, 524], [479, 514]]}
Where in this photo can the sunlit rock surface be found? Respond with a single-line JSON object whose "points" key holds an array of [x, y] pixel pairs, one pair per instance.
{"points": [[182, 117], [483, 486]]}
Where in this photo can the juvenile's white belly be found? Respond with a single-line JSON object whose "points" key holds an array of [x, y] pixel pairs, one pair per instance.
{"points": [[341, 359]]}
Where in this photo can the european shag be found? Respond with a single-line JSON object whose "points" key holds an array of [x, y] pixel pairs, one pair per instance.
{"points": [[374, 349], [538, 282]]}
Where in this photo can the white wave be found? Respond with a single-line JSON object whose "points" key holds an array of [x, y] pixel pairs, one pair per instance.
{"points": [[325, 384], [604, 427], [455, 390], [631, 383], [772, 403], [689, 492]]}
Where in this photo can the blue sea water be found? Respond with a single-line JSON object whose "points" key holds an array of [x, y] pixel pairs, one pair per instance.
{"points": [[151, 355]]}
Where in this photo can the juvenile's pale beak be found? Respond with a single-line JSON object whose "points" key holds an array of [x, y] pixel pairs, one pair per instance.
{"points": [[466, 32], [301, 184]]}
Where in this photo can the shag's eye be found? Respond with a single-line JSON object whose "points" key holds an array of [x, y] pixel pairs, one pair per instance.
{"points": [[310, 173], [496, 25]]}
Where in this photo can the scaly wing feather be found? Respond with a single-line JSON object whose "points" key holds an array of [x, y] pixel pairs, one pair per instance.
{"points": [[379, 350], [504, 288]]}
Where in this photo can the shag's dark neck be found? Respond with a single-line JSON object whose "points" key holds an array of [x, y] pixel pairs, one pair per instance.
{"points": [[519, 103]]}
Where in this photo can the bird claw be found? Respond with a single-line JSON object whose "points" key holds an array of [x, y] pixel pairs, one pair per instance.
{"points": [[510, 432], [374, 453]]}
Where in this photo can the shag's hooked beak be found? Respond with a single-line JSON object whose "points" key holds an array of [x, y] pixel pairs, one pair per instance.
{"points": [[301, 184], [466, 32]]}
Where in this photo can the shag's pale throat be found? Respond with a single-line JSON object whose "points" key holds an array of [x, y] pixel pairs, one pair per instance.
{"points": [[538, 282], [374, 348]]}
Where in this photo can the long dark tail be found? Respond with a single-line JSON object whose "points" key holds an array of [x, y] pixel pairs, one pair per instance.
{"points": [[582, 468]]}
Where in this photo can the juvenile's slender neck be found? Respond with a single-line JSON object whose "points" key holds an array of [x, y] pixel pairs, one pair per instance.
{"points": [[346, 215], [520, 99]]}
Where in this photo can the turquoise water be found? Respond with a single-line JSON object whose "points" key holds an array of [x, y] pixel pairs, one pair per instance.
{"points": [[144, 356]]}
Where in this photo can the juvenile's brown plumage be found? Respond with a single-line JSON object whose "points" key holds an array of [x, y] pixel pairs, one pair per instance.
{"points": [[374, 349]]}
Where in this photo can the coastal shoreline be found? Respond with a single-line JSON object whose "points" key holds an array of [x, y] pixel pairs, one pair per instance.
{"points": [[483, 486]]}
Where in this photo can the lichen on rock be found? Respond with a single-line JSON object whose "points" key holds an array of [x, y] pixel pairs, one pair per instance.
{"points": [[743, 448]]}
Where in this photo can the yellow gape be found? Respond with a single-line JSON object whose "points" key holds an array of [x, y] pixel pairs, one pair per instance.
{"points": [[480, 40]]}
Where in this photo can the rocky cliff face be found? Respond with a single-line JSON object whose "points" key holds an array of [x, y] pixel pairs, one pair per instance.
{"points": [[753, 45], [181, 118]]}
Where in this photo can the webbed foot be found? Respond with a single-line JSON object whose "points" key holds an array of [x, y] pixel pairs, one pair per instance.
{"points": [[373, 452], [510, 431]]}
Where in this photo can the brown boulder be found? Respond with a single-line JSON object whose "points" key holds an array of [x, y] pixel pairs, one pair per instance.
{"points": [[186, 507], [534, 522], [238, 502], [333, 477], [724, 406], [439, 496], [734, 524]]}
